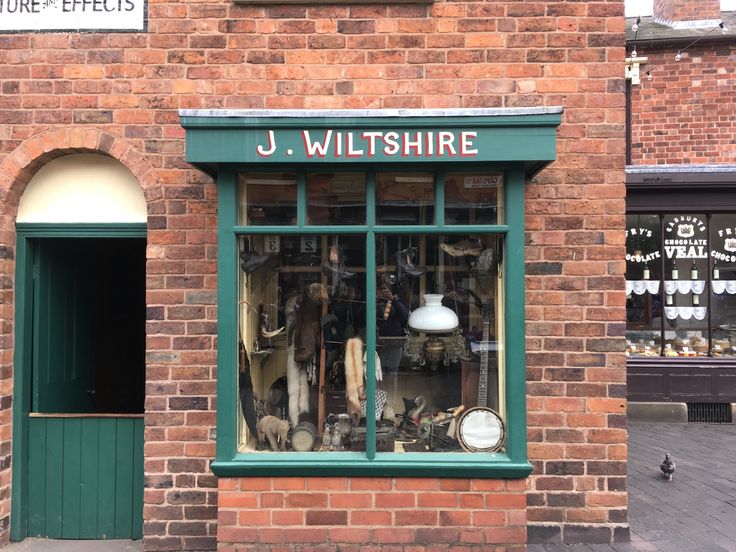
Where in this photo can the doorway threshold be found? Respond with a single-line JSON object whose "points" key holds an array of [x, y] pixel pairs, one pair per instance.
{"points": [[66, 545]]}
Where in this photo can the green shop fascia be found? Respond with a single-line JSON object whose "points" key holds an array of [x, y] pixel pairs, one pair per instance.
{"points": [[425, 202]]}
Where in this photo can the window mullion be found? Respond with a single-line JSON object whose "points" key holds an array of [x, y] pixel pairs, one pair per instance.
{"points": [[370, 202], [439, 199], [662, 286], [370, 338], [708, 285], [301, 199]]}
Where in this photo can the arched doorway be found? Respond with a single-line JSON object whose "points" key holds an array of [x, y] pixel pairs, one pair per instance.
{"points": [[80, 352]]}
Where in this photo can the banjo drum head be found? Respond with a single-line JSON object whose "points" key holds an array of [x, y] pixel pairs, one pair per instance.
{"points": [[480, 429]]}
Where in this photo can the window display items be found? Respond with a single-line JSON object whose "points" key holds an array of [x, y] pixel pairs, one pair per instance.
{"points": [[304, 311], [304, 437], [273, 429], [303, 329], [480, 429], [433, 316]]}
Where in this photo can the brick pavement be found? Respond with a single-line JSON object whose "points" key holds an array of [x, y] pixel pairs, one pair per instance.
{"points": [[694, 512]]}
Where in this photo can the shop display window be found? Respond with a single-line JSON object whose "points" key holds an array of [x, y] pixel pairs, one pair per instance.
{"points": [[434, 302], [473, 199], [335, 198], [267, 199], [679, 270], [404, 198]]}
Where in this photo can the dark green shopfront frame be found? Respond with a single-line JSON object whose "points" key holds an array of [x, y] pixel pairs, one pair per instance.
{"points": [[516, 142], [24, 428]]}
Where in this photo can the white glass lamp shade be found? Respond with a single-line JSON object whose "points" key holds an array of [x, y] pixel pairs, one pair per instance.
{"points": [[433, 316]]}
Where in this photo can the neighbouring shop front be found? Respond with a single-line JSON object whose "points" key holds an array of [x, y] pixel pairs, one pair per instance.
{"points": [[681, 290], [370, 281]]}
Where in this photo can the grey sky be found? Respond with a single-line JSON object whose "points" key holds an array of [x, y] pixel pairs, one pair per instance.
{"points": [[644, 7]]}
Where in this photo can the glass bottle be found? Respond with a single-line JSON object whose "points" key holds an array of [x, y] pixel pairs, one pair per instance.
{"points": [[693, 271], [646, 272], [675, 272], [696, 300], [716, 271]]}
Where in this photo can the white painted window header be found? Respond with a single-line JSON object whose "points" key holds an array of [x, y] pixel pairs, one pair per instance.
{"points": [[83, 188]]}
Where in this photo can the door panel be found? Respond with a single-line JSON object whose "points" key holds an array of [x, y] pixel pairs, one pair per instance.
{"points": [[87, 478], [63, 322]]}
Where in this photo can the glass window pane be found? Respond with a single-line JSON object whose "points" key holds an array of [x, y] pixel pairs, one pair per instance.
{"points": [[449, 359], [474, 198], [643, 285], [405, 198], [267, 199], [723, 286], [685, 250], [298, 303], [336, 198]]}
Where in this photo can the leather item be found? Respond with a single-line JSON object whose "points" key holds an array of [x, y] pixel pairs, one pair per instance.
{"points": [[250, 261], [405, 265]]}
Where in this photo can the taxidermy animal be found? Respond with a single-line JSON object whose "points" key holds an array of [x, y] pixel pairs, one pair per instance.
{"points": [[302, 329], [273, 429], [667, 467], [353, 375]]}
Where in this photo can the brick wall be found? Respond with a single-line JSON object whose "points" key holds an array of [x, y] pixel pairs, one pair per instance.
{"points": [[672, 11], [350, 514], [119, 94], [665, 128]]}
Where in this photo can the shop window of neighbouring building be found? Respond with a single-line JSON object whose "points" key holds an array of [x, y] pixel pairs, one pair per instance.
{"points": [[371, 289], [681, 285]]}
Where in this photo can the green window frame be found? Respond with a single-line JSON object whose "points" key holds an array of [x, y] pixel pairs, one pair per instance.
{"points": [[517, 143]]}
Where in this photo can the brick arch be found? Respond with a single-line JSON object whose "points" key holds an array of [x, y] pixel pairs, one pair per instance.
{"points": [[16, 170], [23, 163]]}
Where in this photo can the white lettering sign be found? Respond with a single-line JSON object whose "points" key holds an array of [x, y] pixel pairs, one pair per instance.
{"points": [[63, 15], [683, 238], [338, 144]]}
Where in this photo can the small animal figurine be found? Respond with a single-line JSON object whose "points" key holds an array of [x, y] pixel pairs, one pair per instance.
{"points": [[275, 430], [667, 467]]}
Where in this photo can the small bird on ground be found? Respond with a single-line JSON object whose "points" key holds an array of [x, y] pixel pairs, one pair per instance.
{"points": [[667, 467]]}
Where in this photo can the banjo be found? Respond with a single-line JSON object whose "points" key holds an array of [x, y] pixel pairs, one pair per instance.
{"points": [[480, 429]]}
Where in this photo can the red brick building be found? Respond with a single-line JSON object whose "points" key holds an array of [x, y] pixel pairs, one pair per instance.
{"points": [[681, 168], [95, 169]]}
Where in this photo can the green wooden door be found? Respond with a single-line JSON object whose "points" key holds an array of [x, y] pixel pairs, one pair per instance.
{"points": [[63, 376], [85, 465]]}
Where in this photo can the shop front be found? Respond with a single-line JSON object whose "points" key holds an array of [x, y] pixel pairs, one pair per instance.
{"points": [[680, 284], [370, 297]]}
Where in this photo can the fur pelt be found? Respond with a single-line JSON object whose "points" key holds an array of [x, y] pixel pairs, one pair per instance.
{"points": [[298, 387], [302, 329], [353, 375]]}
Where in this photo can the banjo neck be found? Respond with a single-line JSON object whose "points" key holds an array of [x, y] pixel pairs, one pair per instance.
{"points": [[483, 378]]}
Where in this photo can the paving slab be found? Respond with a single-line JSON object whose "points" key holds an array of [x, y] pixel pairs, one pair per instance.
{"points": [[696, 511]]}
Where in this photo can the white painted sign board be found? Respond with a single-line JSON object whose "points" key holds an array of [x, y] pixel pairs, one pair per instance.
{"points": [[71, 15]]}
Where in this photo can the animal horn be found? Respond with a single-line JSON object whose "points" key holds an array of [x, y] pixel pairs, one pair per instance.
{"points": [[269, 335]]}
